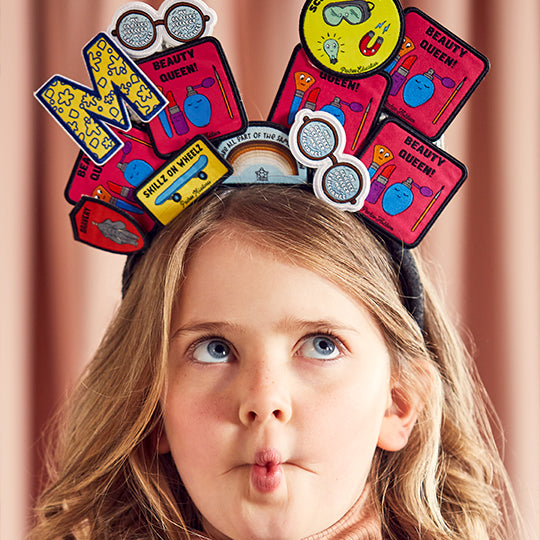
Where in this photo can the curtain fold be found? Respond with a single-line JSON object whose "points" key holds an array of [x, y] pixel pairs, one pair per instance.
{"points": [[58, 295]]}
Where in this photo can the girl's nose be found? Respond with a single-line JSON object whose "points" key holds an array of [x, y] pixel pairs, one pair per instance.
{"points": [[264, 396]]}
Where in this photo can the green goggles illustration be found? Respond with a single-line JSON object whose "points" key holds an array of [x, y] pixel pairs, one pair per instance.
{"points": [[353, 11]]}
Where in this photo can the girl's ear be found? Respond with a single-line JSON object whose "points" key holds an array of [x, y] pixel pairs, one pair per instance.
{"points": [[405, 404]]}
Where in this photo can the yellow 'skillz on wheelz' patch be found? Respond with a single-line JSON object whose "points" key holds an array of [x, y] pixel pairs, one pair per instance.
{"points": [[351, 37], [184, 178]]}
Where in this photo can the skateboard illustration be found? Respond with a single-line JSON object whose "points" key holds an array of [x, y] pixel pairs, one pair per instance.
{"points": [[195, 170]]}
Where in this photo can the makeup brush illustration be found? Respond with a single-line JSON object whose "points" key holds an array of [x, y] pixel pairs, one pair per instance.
{"points": [[303, 82], [450, 99], [362, 122], [428, 208], [223, 93]]}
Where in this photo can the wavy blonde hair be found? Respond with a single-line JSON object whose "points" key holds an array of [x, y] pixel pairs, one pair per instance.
{"points": [[108, 479]]}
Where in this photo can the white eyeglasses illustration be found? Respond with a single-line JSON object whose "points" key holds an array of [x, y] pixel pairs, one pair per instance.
{"points": [[317, 140], [141, 30]]}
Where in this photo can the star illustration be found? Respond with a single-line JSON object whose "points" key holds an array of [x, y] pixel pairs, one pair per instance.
{"points": [[262, 175]]}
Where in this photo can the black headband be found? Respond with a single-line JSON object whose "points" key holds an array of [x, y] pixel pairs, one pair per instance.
{"points": [[409, 278]]}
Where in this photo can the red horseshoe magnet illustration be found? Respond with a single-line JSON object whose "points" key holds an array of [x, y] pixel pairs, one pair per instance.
{"points": [[367, 50]]}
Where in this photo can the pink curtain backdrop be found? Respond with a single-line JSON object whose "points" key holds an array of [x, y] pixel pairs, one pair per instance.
{"points": [[58, 295]]}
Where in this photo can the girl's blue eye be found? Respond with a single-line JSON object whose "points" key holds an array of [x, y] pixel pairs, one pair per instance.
{"points": [[212, 351], [320, 348]]}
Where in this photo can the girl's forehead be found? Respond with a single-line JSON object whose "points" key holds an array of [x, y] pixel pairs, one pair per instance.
{"points": [[233, 275], [246, 240]]}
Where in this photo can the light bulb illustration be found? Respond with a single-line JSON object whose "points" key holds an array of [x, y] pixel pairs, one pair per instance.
{"points": [[398, 197], [331, 48]]}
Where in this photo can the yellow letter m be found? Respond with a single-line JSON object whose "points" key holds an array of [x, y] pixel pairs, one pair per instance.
{"points": [[84, 113]]}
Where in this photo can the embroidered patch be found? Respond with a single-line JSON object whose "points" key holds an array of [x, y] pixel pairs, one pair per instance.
{"points": [[351, 38], [356, 104], [183, 179], [117, 180], [201, 94], [86, 113], [262, 155], [317, 140], [411, 182], [433, 76], [142, 31], [101, 225]]}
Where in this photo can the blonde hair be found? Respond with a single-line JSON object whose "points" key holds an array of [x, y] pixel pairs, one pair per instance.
{"points": [[108, 478]]}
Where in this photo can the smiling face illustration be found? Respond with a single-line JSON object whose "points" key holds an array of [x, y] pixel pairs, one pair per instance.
{"points": [[303, 80], [381, 154], [137, 171], [197, 109], [418, 90], [397, 199]]}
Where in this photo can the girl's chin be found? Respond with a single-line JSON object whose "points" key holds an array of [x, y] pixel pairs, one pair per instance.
{"points": [[269, 517], [259, 529]]}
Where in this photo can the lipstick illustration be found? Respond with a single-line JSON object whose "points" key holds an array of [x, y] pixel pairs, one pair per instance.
{"points": [[400, 75], [177, 116], [406, 47], [123, 191], [379, 184], [311, 101]]}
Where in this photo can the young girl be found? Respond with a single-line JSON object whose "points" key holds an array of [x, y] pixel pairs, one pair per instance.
{"points": [[275, 371]]}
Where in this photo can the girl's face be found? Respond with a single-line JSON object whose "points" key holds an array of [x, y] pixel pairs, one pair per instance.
{"points": [[278, 387]]}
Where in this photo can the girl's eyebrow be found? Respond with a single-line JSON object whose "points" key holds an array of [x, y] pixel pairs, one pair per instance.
{"points": [[285, 325], [317, 325], [208, 327]]}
